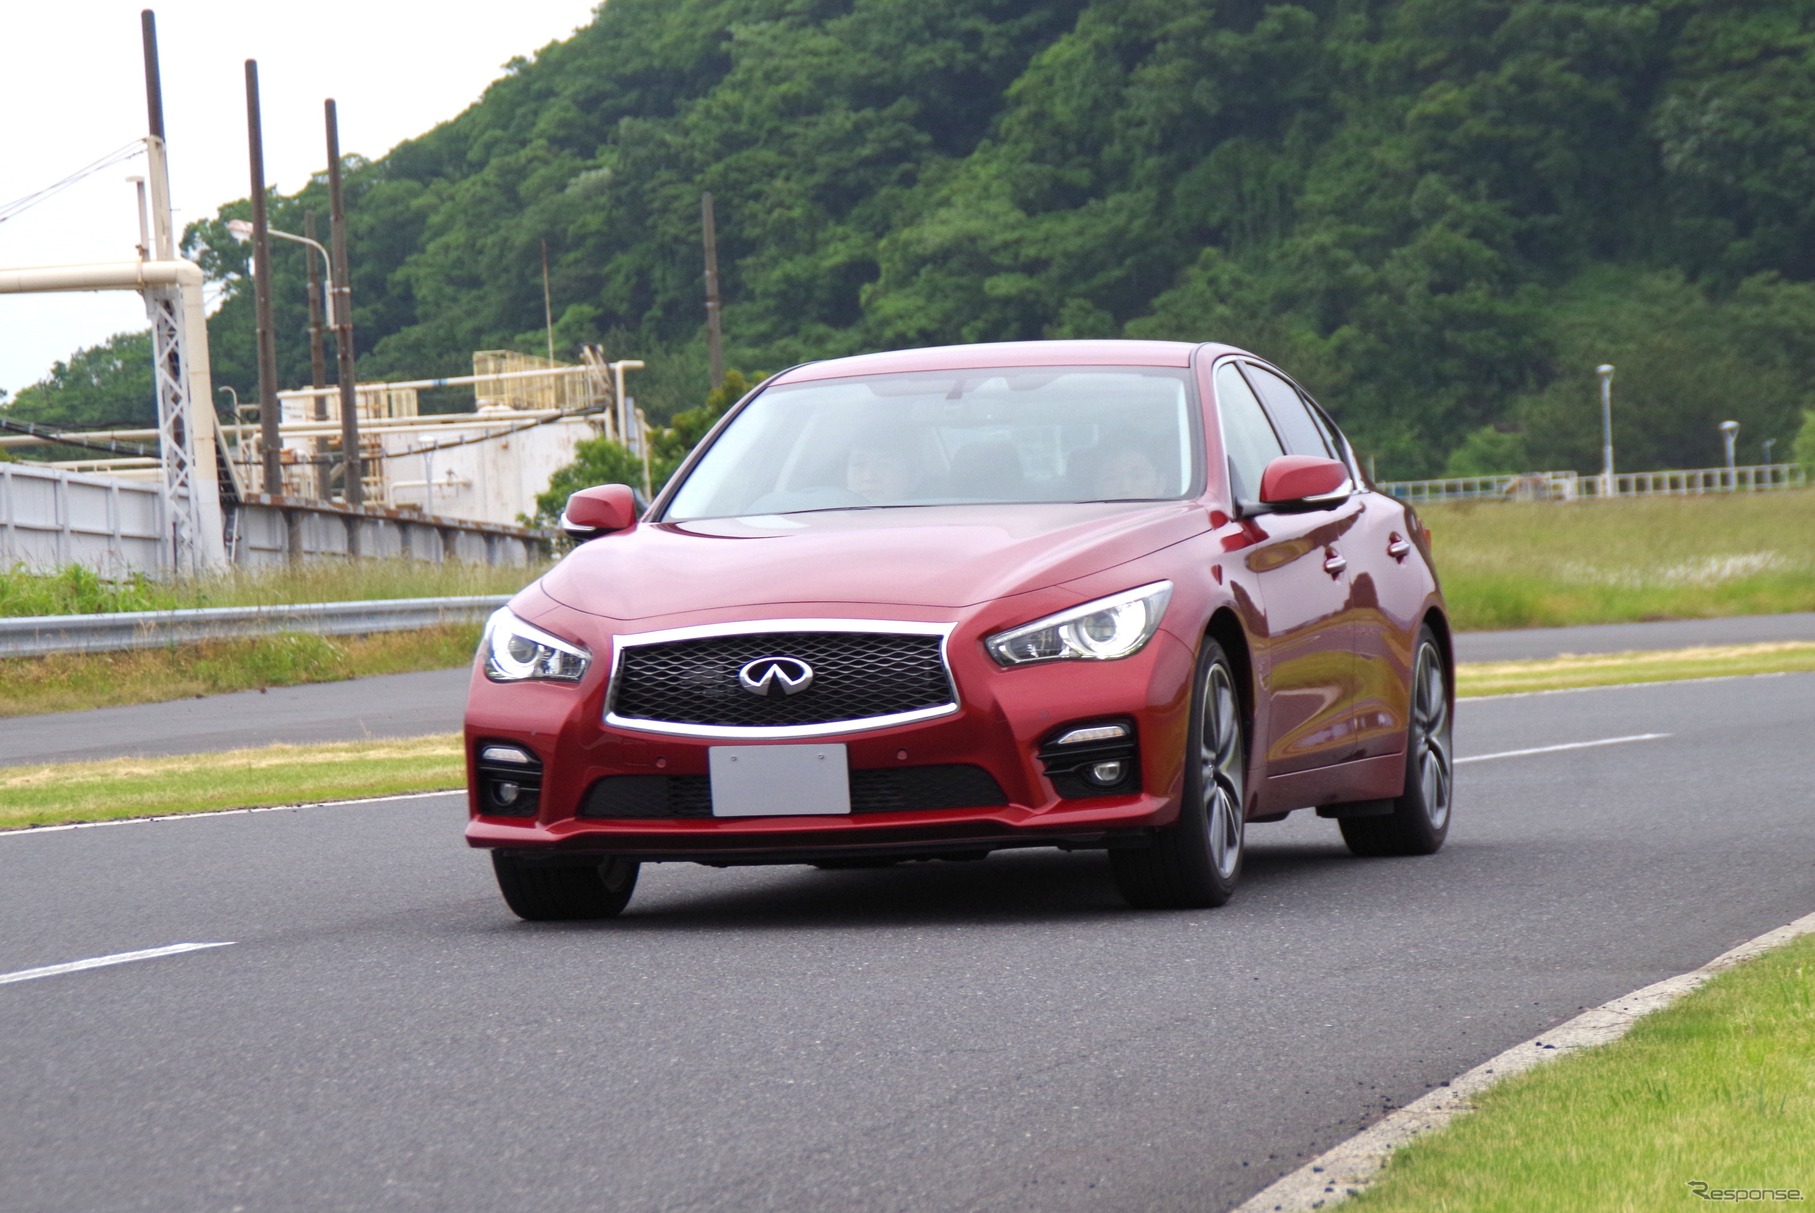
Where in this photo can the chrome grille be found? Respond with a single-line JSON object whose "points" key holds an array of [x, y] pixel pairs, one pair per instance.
{"points": [[857, 676]]}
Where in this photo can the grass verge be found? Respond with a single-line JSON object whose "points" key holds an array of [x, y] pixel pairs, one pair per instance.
{"points": [[238, 779], [1717, 1089], [79, 591], [69, 682], [1528, 565], [1571, 671]]}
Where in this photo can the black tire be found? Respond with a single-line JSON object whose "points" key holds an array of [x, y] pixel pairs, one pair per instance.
{"points": [[542, 892], [1420, 818], [1195, 862]]}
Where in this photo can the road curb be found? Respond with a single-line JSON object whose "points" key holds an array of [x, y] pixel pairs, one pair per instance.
{"points": [[1345, 1169]]}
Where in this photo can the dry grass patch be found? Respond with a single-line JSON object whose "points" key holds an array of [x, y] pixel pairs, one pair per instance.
{"points": [[1616, 669], [71, 682], [273, 775]]}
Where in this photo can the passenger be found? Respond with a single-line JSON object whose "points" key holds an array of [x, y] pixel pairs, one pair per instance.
{"points": [[1122, 469]]}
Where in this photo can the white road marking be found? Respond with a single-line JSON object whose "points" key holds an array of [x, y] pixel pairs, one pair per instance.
{"points": [[101, 962], [28, 831], [1570, 745]]}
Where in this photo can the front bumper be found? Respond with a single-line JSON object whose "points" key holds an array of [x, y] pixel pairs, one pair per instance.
{"points": [[1003, 720]]}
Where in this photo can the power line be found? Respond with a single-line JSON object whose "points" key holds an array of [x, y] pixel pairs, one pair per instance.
{"points": [[118, 156]]}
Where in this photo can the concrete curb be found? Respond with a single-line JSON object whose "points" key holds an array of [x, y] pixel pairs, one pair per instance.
{"points": [[1347, 1168]]}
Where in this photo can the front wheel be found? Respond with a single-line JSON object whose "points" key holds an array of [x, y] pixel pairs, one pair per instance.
{"points": [[1194, 863], [543, 892], [1419, 821]]}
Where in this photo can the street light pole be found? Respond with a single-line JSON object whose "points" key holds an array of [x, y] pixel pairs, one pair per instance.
{"points": [[318, 358], [242, 231], [1729, 434], [1605, 371]]}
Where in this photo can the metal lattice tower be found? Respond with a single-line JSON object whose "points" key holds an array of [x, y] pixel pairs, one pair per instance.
{"points": [[176, 439]]}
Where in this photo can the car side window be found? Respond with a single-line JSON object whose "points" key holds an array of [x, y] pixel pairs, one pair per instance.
{"points": [[1297, 428], [1331, 435], [1248, 437]]}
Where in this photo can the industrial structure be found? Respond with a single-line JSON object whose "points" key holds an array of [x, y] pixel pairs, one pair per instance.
{"points": [[349, 470]]}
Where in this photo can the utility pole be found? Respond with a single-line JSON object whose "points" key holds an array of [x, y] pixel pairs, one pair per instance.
{"points": [[269, 436], [548, 307], [318, 359], [343, 326], [715, 344]]}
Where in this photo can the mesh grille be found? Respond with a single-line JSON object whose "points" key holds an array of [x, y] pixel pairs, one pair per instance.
{"points": [[856, 676], [903, 790]]}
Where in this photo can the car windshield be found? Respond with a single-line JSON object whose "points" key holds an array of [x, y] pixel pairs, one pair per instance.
{"points": [[972, 437]]}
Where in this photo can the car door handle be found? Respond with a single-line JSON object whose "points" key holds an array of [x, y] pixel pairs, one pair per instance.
{"points": [[1398, 547], [1334, 564]]}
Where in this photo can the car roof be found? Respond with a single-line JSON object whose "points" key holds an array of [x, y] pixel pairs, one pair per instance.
{"points": [[1007, 354]]}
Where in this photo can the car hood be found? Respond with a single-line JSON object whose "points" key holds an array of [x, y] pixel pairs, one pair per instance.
{"points": [[928, 556]]}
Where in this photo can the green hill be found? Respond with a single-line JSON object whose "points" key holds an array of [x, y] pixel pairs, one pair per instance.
{"points": [[1441, 215]]}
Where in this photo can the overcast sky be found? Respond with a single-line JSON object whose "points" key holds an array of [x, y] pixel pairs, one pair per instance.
{"points": [[72, 79]]}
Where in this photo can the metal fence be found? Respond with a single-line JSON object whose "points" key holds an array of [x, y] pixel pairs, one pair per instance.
{"points": [[1572, 486], [42, 635], [51, 518]]}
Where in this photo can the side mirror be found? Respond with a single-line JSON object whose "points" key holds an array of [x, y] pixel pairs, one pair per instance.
{"points": [[598, 511], [1301, 479]]}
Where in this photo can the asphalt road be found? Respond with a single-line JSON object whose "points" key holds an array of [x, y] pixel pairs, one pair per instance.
{"points": [[1002, 1035], [414, 705]]}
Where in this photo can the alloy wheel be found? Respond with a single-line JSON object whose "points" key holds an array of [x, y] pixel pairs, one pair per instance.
{"points": [[1431, 735], [1223, 764]]}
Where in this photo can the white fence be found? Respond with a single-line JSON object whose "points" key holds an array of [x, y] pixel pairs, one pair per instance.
{"points": [[51, 518], [1572, 486]]}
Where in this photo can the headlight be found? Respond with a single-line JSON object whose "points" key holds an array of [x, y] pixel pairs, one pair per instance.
{"points": [[1097, 631], [518, 652]]}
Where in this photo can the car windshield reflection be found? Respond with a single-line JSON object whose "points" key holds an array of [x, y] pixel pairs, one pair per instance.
{"points": [[951, 438]]}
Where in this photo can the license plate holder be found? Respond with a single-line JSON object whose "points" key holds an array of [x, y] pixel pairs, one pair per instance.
{"points": [[779, 780]]}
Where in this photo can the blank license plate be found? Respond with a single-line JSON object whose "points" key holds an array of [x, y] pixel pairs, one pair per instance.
{"points": [[779, 780]]}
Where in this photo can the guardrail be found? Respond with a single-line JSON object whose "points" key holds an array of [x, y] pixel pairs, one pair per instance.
{"points": [[1572, 486], [42, 635]]}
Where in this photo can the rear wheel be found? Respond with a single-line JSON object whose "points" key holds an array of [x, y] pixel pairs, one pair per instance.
{"points": [[1419, 821], [542, 892], [1194, 863]]}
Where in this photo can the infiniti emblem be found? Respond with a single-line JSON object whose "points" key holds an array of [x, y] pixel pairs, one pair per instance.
{"points": [[775, 677]]}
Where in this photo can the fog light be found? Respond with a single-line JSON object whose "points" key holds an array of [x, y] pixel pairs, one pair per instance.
{"points": [[1107, 774], [509, 779], [1101, 732]]}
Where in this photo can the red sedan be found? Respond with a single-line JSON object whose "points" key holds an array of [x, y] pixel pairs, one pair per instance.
{"points": [[1116, 595]]}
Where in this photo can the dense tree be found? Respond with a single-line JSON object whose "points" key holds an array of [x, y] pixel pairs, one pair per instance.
{"points": [[107, 386], [602, 461], [1439, 214]]}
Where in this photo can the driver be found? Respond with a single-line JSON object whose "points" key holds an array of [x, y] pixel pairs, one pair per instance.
{"points": [[880, 468]]}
